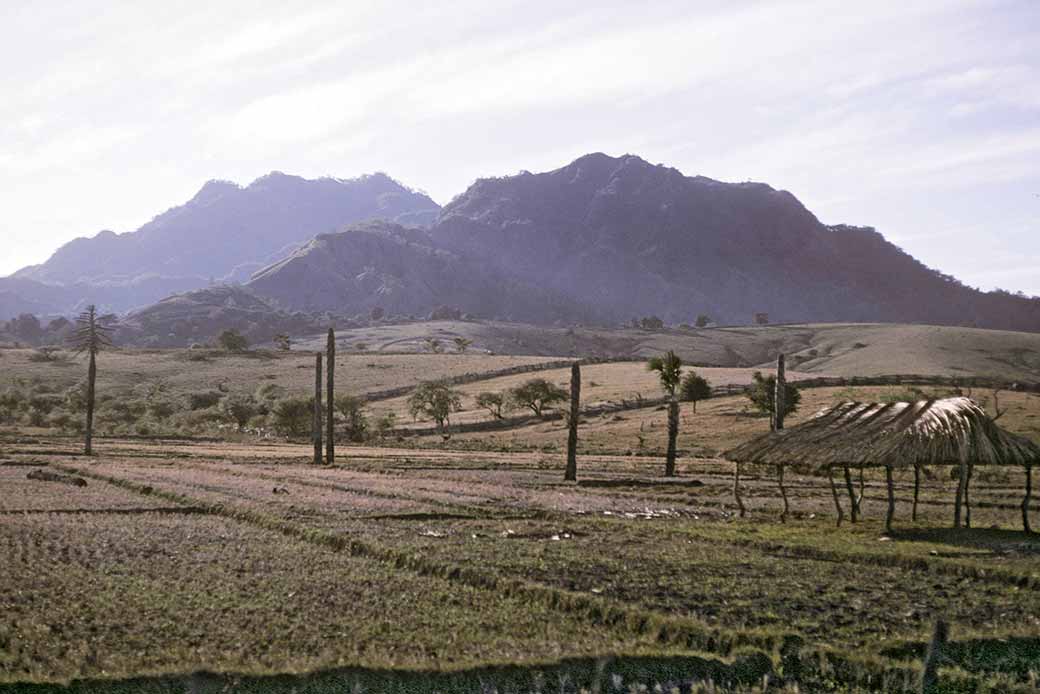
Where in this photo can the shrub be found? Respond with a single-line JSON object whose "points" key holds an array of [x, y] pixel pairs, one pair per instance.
{"points": [[239, 409], [352, 409], [293, 416], [537, 394], [762, 394], [493, 403], [232, 341], [161, 409], [46, 354], [201, 400]]}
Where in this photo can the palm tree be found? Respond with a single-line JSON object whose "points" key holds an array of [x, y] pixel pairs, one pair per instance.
{"points": [[669, 369], [90, 336]]}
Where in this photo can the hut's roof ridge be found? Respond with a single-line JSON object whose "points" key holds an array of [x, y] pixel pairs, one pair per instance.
{"points": [[900, 434]]}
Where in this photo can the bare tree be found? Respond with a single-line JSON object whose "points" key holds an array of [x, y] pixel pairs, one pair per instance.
{"points": [[90, 336]]}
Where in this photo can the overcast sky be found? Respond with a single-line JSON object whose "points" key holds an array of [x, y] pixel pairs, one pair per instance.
{"points": [[920, 118]]}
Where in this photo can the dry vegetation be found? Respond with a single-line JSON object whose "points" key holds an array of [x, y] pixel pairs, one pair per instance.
{"points": [[470, 564]]}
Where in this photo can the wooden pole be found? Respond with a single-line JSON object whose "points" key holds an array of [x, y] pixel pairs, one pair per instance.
{"points": [[891, 499], [91, 378], [967, 496], [571, 473], [962, 478], [783, 493], [917, 490], [834, 493], [780, 394], [853, 504], [316, 422], [930, 672], [736, 489], [862, 488], [1026, 498], [330, 414], [673, 434]]}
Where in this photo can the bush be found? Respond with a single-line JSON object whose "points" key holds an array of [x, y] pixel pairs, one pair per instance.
{"points": [[204, 399], [694, 388], [239, 409], [493, 403], [762, 394], [232, 341], [436, 400], [46, 354], [352, 409], [293, 416]]}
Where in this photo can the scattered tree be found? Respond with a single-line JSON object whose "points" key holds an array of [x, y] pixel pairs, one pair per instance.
{"points": [[239, 409], [537, 394], [232, 341], [762, 394], [693, 388], [376, 313], [433, 345], [493, 403], [702, 321], [90, 336], [293, 416], [435, 400], [651, 323], [669, 370], [352, 409], [462, 344], [283, 342]]}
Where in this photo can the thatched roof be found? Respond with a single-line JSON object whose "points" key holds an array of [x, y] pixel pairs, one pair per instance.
{"points": [[901, 434]]}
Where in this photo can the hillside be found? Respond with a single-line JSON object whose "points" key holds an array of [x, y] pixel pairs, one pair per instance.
{"points": [[631, 239], [224, 233]]}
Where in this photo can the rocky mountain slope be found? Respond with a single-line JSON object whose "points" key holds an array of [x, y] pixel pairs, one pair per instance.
{"points": [[224, 234]]}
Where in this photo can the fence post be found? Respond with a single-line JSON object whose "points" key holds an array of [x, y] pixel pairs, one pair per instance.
{"points": [[330, 434], [316, 422], [781, 392], [571, 473], [930, 674]]}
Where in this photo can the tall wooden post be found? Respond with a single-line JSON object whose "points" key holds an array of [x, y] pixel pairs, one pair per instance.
{"points": [[917, 491], [891, 499], [958, 500], [783, 493], [779, 395], [967, 497], [853, 503], [1027, 498], [316, 422], [673, 434], [571, 473], [330, 415], [834, 494], [91, 378]]}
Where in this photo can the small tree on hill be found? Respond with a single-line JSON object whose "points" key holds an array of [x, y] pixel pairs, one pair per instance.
{"points": [[435, 400], [702, 321], [352, 409], [762, 394], [232, 341], [669, 370], [283, 342], [462, 344], [90, 336], [434, 345], [651, 323], [240, 409], [537, 394], [493, 403], [694, 387]]}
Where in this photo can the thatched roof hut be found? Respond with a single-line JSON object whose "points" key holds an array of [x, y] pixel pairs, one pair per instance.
{"points": [[952, 431]]}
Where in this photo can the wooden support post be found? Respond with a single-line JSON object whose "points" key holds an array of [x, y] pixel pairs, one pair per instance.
{"points": [[862, 489], [736, 489], [967, 496], [673, 434], [316, 421], [958, 500], [780, 394], [1027, 498], [854, 510], [891, 499], [834, 493], [934, 655], [917, 491], [330, 433], [571, 473], [783, 493]]}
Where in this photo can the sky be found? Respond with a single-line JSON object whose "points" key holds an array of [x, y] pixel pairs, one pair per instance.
{"points": [[919, 118]]}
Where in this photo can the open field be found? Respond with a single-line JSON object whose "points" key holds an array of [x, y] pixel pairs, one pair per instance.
{"points": [[841, 349], [460, 560]]}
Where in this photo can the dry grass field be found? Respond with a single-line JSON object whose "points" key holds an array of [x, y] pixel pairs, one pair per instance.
{"points": [[180, 557], [419, 563]]}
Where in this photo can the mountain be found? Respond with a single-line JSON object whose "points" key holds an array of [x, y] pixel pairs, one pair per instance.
{"points": [[224, 233], [629, 238], [402, 271]]}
